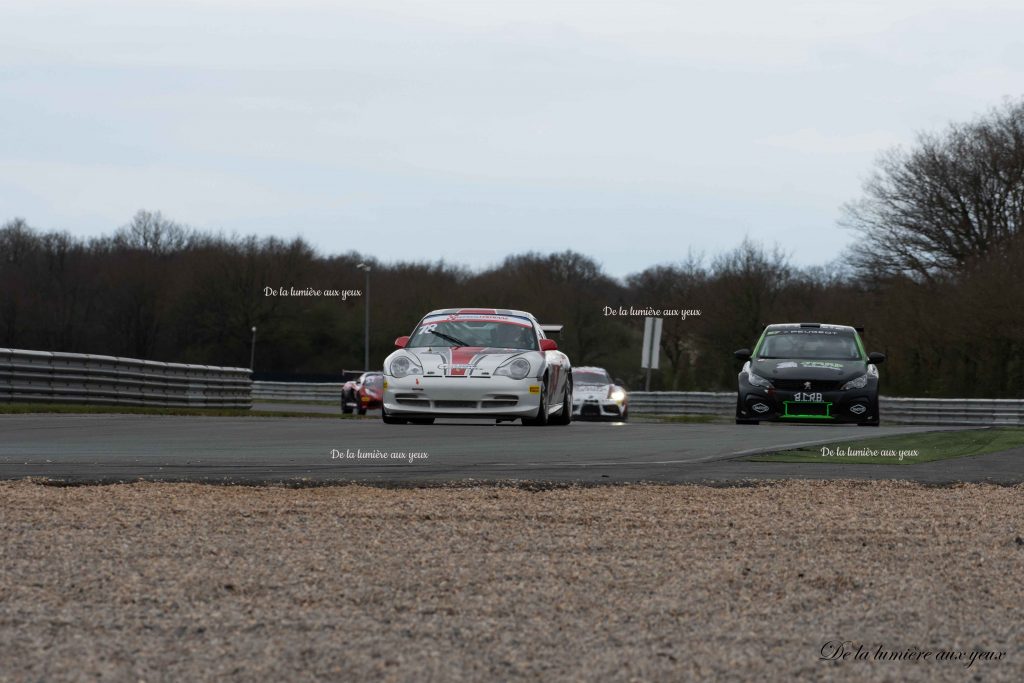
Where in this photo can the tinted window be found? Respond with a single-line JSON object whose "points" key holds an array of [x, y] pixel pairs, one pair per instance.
{"points": [[475, 330], [810, 343], [580, 378]]}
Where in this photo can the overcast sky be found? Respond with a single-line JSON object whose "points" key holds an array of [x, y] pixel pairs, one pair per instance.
{"points": [[630, 131]]}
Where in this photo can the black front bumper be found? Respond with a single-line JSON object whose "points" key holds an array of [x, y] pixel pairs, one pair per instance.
{"points": [[851, 406]]}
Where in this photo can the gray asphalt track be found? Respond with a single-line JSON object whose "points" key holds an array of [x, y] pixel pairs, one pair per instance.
{"points": [[106, 448]]}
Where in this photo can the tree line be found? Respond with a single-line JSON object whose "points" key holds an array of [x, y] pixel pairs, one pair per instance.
{"points": [[934, 276]]}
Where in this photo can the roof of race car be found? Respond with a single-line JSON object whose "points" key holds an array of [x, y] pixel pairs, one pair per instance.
{"points": [[589, 368], [797, 326], [480, 311]]}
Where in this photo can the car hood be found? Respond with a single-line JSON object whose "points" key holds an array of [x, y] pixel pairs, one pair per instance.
{"points": [[804, 369], [464, 361]]}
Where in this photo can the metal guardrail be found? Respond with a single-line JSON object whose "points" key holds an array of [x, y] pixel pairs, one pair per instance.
{"points": [[297, 391], [947, 411], [54, 377]]}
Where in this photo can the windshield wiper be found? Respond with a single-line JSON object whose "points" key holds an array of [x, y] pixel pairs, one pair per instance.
{"points": [[448, 337]]}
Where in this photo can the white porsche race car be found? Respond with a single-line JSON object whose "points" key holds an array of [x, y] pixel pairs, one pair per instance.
{"points": [[595, 395], [481, 363]]}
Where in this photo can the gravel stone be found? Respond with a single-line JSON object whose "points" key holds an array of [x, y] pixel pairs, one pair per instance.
{"points": [[173, 582]]}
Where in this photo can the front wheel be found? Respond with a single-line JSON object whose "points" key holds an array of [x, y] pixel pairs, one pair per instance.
{"points": [[876, 421], [743, 420], [564, 416], [542, 410], [388, 419], [345, 407]]}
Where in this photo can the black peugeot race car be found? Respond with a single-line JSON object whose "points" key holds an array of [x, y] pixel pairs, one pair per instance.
{"points": [[808, 372]]}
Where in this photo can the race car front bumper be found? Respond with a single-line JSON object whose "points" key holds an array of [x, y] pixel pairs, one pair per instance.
{"points": [[483, 397], [597, 409], [853, 405], [369, 402]]}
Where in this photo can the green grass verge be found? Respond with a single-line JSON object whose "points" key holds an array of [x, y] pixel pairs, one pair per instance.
{"points": [[26, 408], [916, 448]]}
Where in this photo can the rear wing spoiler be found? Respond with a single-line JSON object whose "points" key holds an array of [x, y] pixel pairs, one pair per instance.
{"points": [[348, 375], [552, 329]]}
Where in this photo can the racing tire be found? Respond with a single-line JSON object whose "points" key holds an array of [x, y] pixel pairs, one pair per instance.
{"points": [[564, 416], [361, 410], [389, 420], [625, 416], [421, 420], [743, 420], [542, 410], [345, 407], [876, 421]]}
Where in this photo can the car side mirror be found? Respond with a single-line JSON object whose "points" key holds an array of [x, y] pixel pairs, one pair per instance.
{"points": [[876, 357], [401, 342], [742, 354], [548, 345]]}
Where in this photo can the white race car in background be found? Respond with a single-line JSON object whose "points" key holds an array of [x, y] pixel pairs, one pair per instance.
{"points": [[480, 363], [595, 395]]}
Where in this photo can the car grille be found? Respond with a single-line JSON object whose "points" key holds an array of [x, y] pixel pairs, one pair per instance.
{"points": [[798, 385], [418, 402], [455, 404]]}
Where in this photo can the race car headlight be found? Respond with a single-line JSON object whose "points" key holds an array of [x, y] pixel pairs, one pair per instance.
{"points": [[857, 382], [403, 366], [617, 395], [517, 368], [758, 380]]}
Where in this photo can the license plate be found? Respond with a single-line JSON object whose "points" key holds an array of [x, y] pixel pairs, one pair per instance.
{"points": [[807, 396], [807, 409]]}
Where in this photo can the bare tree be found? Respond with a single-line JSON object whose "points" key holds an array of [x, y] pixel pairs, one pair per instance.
{"points": [[953, 198], [676, 286], [151, 232]]}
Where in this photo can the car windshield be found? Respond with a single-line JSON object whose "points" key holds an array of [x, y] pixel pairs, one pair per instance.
{"points": [[812, 343], [582, 377], [374, 381], [481, 331]]}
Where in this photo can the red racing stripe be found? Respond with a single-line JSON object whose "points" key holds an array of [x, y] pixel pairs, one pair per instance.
{"points": [[462, 355]]}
